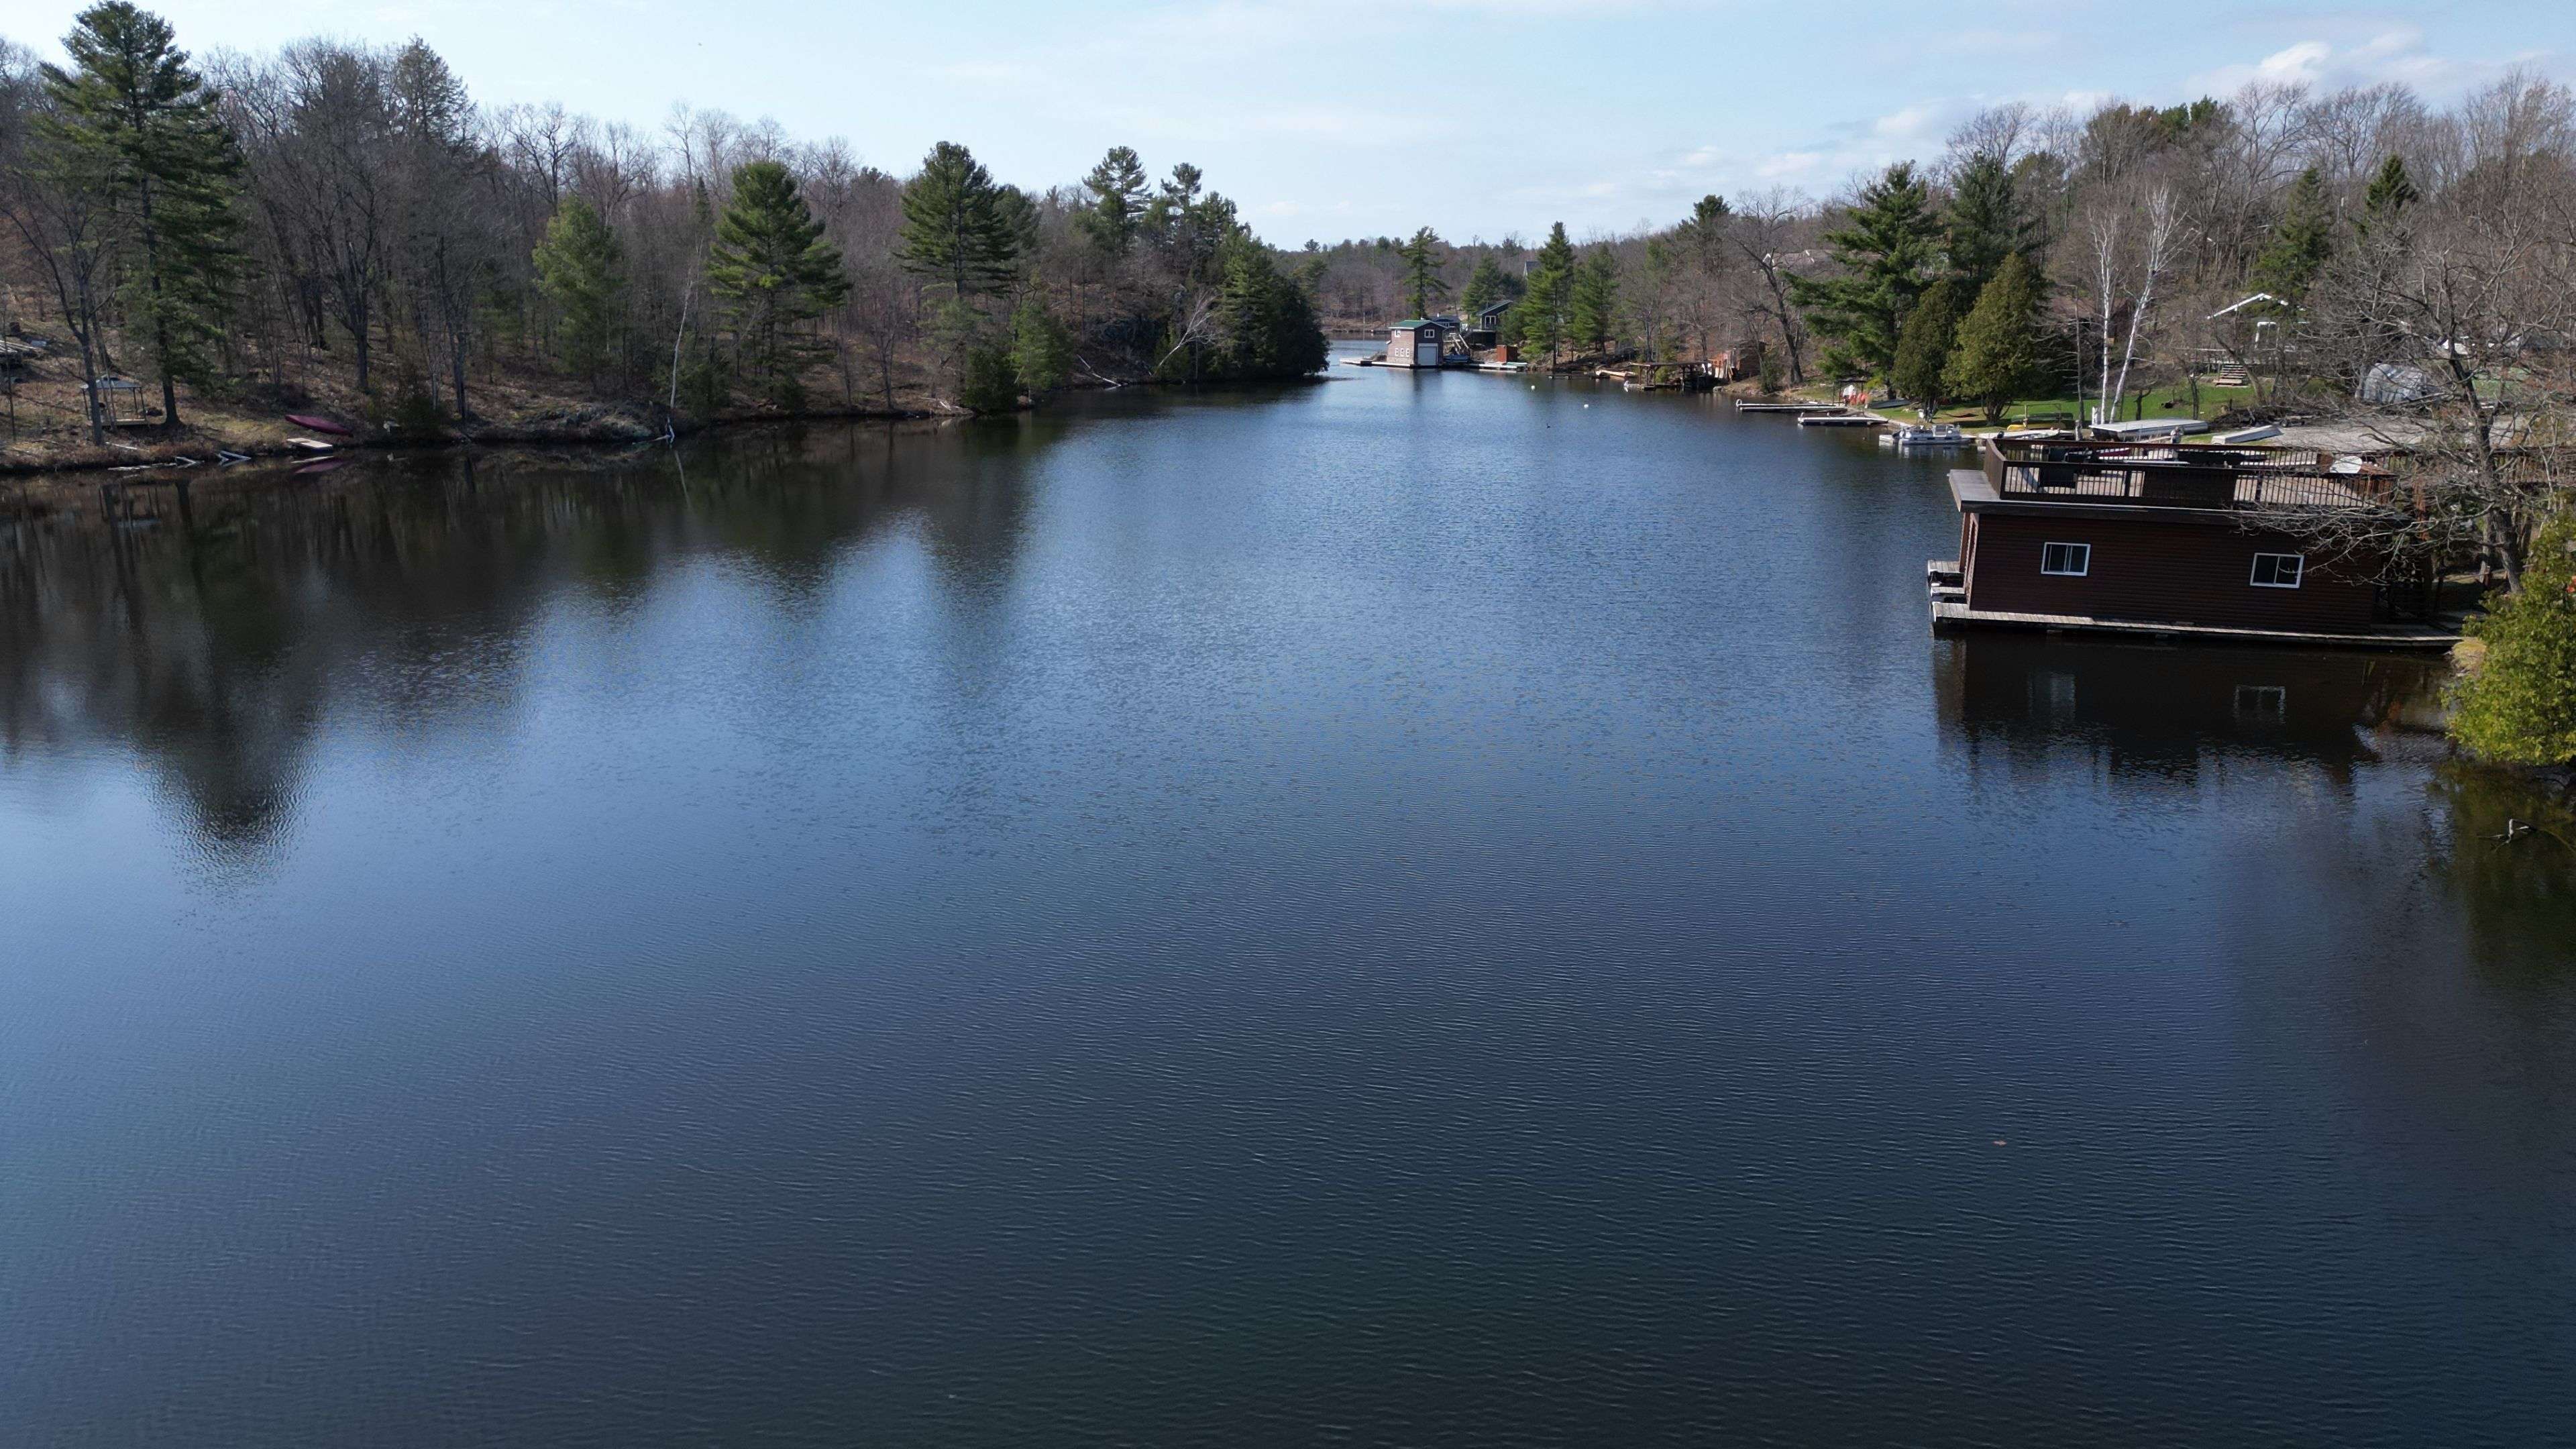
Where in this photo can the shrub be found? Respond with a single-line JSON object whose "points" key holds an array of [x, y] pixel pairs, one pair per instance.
{"points": [[991, 383], [2518, 705]]}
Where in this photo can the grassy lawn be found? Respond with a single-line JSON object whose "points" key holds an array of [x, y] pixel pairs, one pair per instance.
{"points": [[2162, 402]]}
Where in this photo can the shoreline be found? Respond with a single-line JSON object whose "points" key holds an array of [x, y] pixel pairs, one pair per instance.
{"points": [[603, 426]]}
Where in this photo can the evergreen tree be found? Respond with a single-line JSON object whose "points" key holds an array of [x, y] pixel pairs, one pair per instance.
{"points": [[1264, 319], [2519, 706], [772, 267], [1703, 236], [957, 226], [1041, 350], [2301, 244], [1539, 320], [1486, 285], [1191, 225], [989, 382], [1422, 281], [581, 268], [2391, 191], [1592, 301], [144, 126], [1924, 346], [1556, 254], [1886, 248], [1117, 187], [1983, 223], [1998, 356]]}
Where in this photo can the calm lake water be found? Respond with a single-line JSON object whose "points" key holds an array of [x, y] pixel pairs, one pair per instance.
{"points": [[1405, 911]]}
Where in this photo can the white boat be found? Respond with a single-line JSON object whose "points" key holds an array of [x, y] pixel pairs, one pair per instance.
{"points": [[2256, 434], [1930, 435]]}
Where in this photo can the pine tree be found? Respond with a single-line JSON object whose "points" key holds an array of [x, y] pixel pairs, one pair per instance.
{"points": [[1924, 347], [1998, 356], [1191, 225], [581, 268], [1539, 320], [1422, 281], [1886, 248], [1983, 223], [145, 127], [772, 267], [1265, 321], [1486, 285], [1041, 349], [1117, 187], [2301, 244], [957, 226], [1592, 301], [2391, 191], [1557, 252], [1703, 236]]}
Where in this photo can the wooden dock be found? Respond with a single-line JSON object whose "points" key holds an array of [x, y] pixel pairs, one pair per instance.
{"points": [[1743, 405]]}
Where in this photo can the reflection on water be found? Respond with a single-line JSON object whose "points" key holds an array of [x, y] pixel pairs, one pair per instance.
{"points": [[2177, 718], [215, 652], [1412, 909], [2149, 713]]}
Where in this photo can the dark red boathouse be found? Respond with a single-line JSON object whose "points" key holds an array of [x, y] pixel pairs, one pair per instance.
{"points": [[2164, 538]]}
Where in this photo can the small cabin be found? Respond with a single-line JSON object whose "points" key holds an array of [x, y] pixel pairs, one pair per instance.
{"points": [[1487, 329], [1416, 342], [2061, 535]]}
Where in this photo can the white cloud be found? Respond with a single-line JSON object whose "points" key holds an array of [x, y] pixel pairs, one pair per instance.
{"points": [[2303, 63], [1899, 125], [2382, 53]]}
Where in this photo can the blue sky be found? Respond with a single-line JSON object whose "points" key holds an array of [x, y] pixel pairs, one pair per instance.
{"points": [[1332, 118]]}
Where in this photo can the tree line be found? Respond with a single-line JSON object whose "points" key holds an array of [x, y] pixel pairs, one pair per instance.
{"points": [[2122, 236], [2357, 257], [267, 227]]}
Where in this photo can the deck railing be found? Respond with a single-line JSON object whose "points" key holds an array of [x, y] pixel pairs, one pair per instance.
{"points": [[2167, 475]]}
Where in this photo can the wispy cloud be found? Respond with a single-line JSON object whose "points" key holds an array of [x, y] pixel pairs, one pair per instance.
{"points": [[2389, 53]]}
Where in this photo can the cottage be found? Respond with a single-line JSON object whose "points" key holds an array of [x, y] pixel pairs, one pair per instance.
{"points": [[1415, 342], [2155, 539]]}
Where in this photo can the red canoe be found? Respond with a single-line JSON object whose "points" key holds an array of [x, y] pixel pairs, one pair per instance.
{"points": [[319, 425]]}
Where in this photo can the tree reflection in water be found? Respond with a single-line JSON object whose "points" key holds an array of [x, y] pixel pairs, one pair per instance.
{"points": [[409, 587], [2157, 718]]}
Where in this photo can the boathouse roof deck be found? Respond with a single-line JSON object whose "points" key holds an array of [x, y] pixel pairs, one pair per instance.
{"points": [[2169, 475]]}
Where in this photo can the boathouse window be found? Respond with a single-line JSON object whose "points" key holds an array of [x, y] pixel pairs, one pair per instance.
{"points": [[2278, 570], [2074, 560]]}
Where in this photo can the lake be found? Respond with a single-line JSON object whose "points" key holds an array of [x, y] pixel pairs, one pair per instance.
{"points": [[1410, 910]]}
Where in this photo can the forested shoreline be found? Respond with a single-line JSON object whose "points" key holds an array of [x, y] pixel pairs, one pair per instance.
{"points": [[342, 226]]}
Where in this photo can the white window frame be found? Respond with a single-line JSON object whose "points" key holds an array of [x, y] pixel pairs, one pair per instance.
{"points": [[2084, 563], [2298, 571]]}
